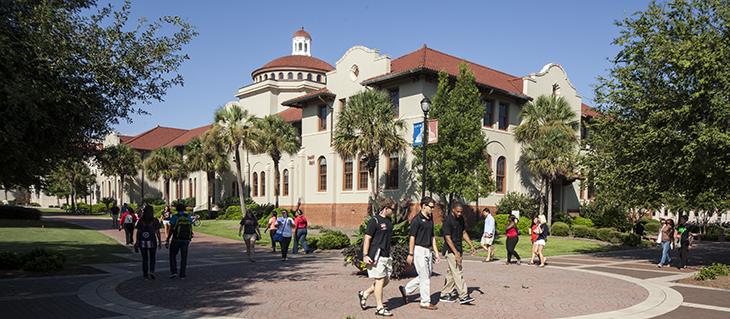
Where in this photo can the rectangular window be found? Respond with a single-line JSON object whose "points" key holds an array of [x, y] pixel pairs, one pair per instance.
{"points": [[395, 100], [347, 175], [362, 181], [503, 116], [322, 116], [488, 119], [391, 181]]}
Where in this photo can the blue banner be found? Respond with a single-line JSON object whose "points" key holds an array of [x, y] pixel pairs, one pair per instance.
{"points": [[417, 134]]}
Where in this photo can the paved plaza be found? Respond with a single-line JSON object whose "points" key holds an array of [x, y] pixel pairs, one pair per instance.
{"points": [[221, 282]]}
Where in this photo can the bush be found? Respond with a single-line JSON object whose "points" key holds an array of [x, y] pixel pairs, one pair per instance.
{"points": [[45, 263], [232, 212], [630, 239], [10, 260], [652, 227], [523, 224], [559, 229], [153, 201], [604, 234], [332, 239], [712, 272], [34, 204], [313, 243], [582, 231], [500, 222], [606, 213], [582, 221], [17, 212], [525, 204], [727, 234], [713, 233], [615, 237]]}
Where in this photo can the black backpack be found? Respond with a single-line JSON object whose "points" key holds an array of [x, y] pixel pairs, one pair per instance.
{"points": [[183, 228]]}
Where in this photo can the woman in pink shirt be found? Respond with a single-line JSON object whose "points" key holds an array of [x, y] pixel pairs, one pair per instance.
{"points": [[271, 228]]}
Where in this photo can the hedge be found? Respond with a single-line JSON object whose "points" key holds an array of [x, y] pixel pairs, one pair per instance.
{"points": [[37, 260], [712, 272], [652, 227], [713, 232], [17, 212], [560, 229], [332, 239], [582, 221], [582, 231]]}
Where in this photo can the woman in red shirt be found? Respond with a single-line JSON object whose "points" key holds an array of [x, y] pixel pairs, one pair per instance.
{"points": [[300, 226], [512, 238], [533, 238]]}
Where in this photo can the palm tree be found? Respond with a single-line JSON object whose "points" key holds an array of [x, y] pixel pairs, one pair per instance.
{"points": [[548, 133], [165, 163], [234, 130], [119, 160], [276, 137], [205, 154], [367, 127]]}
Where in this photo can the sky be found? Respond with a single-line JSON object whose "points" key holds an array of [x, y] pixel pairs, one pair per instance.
{"points": [[516, 37]]}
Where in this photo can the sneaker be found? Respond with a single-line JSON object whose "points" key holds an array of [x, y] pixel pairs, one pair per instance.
{"points": [[447, 298], [403, 294], [465, 300], [383, 312], [173, 276]]}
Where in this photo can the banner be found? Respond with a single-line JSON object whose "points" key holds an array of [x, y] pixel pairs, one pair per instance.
{"points": [[433, 132], [417, 134]]}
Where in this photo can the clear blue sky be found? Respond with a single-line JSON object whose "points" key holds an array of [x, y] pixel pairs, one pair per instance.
{"points": [[517, 37]]}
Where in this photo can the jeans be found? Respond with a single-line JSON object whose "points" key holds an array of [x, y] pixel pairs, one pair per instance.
{"points": [[511, 244], [182, 247], [285, 246], [422, 259], [273, 242], [454, 278], [128, 231], [301, 239], [666, 259], [149, 256], [684, 254]]}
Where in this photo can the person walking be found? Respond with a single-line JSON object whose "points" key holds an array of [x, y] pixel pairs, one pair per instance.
{"points": [[127, 223], [683, 242], [376, 255], [250, 227], [420, 243], [114, 211], [284, 225], [271, 229], [667, 235], [662, 222], [148, 240], [542, 231], [487, 241], [533, 238], [300, 232], [181, 231], [513, 236], [165, 218], [454, 231]]}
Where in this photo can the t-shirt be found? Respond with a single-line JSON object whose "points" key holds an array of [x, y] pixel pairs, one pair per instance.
{"points": [[453, 227], [533, 233], [489, 224], [285, 225], [300, 222], [249, 225], [544, 232], [272, 223], [684, 234], [381, 231], [422, 229], [146, 233]]}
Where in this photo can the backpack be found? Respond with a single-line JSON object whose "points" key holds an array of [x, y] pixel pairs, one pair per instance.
{"points": [[128, 219], [183, 228]]}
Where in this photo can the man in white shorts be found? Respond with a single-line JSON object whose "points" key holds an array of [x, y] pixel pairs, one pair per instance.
{"points": [[487, 241], [376, 255]]}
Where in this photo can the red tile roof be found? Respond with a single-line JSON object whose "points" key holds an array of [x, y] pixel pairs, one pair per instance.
{"points": [[291, 114], [125, 138], [302, 33], [295, 62], [189, 135], [427, 59], [297, 101], [587, 111], [155, 138]]}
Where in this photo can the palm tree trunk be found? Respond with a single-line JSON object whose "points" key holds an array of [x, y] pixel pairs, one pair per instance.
{"points": [[121, 188], [373, 191], [239, 180], [543, 189], [211, 176], [550, 204], [276, 180], [166, 186]]}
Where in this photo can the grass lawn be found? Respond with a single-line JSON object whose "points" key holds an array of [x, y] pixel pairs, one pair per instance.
{"points": [[228, 229], [555, 246]]}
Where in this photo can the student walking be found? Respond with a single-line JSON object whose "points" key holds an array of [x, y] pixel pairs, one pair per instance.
{"points": [[513, 236], [284, 225], [683, 242], [181, 231], [148, 240], [250, 227], [454, 232], [300, 233], [542, 231], [165, 218], [271, 229], [376, 255], [667, 236], [487, 240], [114, 211], [533, 238], [421, 242], [127, 223]]}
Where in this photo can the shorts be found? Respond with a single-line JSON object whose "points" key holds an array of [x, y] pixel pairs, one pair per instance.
{"points": [[165, 222], [487, 240], [540, 242], [382, 269], [248, 237]]}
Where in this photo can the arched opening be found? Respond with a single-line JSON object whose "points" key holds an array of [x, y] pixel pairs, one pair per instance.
{"points": [[501, 175], [263, 184], [255, 180], [285, 182], [322, 173]]}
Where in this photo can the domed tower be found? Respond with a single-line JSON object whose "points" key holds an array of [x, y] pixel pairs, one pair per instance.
{"points": [[301, 43]]}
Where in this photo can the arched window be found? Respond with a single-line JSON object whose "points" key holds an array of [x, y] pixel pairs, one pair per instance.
{"points": [[272, 76], [266, 76], [305, 47], [347, 175], [391, 175], [281, 75], [319, 78], [300, 46], [285, 182], [263, 184], [190, 187], [300, 76], [362, 172], [290, 76], [309, 76], [322, 173], [501, 177], [255, 180]]}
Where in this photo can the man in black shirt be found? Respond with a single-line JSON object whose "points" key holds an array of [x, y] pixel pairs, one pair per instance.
{"points": [[376, 255], [421, 241], [454, 232]]}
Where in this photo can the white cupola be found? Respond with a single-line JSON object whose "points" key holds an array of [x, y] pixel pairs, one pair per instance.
{"points": [[301, 43]]}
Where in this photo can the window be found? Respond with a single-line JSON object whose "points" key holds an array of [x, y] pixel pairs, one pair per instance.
{"points": [[395, 100], [290, 76], [391, 178], [362, 180], [319, 78], [322, 115], [347, 175], [488, 113], [299, 76], [272, 76], [263, 184], [286, 182], [300, 46], [281, 75], [190, 187], [322, 173], [255, 180], [266, 76], [309, 76], [503, 116], [195, 187], [501, 175], [305, 47]]}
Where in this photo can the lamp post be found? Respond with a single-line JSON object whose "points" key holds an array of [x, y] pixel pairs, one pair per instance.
{"points": [[425, 106]]}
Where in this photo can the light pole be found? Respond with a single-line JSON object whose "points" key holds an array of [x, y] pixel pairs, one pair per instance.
{"points": [[425, 106]]}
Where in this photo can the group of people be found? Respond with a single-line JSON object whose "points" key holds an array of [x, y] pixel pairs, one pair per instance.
{"points": [[282, 229], [670, 237], [423, 252]]}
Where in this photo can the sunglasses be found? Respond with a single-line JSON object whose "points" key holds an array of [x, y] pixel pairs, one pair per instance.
{"points": [[432, 206]]}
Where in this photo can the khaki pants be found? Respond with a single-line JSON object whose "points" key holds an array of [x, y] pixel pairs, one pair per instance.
{"points": [[454, 278]]}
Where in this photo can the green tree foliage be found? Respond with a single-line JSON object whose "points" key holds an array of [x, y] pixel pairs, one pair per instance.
{"points": [[525, 204], [69, 71], [206, 154], [166, 163], [457, 164], [367, 127], [665, 138], [70, 178], [119, 160], [276, 137]]}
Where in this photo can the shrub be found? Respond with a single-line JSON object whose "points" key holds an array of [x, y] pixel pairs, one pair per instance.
{"points": [[332, 239], [615, 237], [525, 204], [500, 221], [10, 260], [232, 212], [34, 204], [559, 229], [42, 260], [313, 243], [712, 272], [582, 221], [606, 213], [727, 234], [523, 224], [153, 201], [582, 231], [652, 227], [604, 234], [713, 232], [17, 212], [630, 239], [399, 254]]}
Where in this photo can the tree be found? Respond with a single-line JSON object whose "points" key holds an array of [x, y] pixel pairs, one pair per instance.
{"points": [[368, 127], [234, 130], [457, 165], [70, 178], [665, 137], [276, 137], [68, 72], [206, 154], [548, 134], [119, 160], [166, 163]]}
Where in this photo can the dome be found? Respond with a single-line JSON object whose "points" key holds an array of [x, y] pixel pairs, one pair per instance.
{"points": [[302, 33], [295, 62]]}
